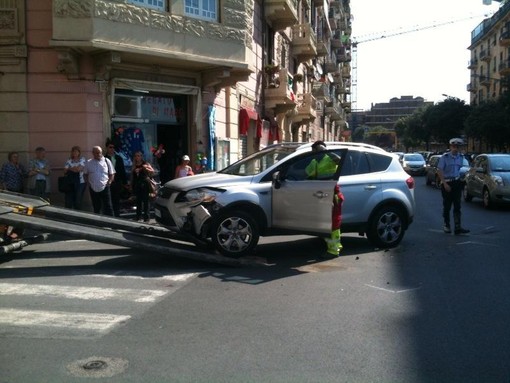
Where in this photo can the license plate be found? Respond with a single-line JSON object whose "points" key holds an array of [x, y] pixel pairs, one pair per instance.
{"points": [[157, 212]]}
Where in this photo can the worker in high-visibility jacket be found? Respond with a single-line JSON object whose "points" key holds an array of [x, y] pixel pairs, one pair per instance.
{"points": [[323, 169]]}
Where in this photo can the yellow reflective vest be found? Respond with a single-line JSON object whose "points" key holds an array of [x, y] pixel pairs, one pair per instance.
{"points": [[324, 168]]}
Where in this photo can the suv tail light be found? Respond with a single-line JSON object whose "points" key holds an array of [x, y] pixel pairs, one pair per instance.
{"points": [[410, 183]]}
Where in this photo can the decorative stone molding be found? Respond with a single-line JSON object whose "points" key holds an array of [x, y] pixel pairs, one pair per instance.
{"points": [[67, 62], [237, 26]]}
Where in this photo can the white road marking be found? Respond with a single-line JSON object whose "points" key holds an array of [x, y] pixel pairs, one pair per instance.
{"points": [[60, 319], [77, 292], [175, 278], [392, 291]]}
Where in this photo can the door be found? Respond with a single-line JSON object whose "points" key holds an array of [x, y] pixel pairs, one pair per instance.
{"points": [[301, 201]]}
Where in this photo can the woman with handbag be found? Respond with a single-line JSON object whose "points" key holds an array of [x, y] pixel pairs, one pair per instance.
{"points": [[141, 177], [74, 170]]}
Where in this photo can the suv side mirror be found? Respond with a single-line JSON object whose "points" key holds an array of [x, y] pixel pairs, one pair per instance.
{"points": [[277, 181]]}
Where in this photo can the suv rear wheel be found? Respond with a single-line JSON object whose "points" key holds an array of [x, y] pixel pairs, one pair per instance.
{"points": [[386, 228], [234, 233]]}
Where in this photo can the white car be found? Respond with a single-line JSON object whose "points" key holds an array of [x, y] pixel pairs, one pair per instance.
{"points": [[414, 164], [269, 193]]}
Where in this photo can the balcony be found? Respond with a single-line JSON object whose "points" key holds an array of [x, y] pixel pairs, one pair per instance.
{"points": [[320, 91], [346, 71], [485, 55], [319, 3], [323, 47], [504, 68], [305, 109], [485, 80], [279, 96], [334, 18], [471, 88], [120, 33], [304, 42], [331, 67], [472, 64], [504, 39], [336, 41], [334, 111], [281, 14]]}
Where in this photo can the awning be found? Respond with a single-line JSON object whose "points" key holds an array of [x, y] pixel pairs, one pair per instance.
{"points": [[245, 115]]}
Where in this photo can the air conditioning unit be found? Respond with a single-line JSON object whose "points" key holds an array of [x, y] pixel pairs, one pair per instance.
{"points": [[127, 106]]}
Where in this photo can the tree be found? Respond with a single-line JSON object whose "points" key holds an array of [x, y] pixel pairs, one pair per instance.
{"points": [[445, 119]]}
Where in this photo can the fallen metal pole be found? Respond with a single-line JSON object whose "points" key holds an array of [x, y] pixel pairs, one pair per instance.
{"points": [[22, 243], [124, 239]]}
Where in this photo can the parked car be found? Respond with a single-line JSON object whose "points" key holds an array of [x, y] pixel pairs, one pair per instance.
{"points": [[413, 164], [431, 176], [489, 179], [268, 193]]}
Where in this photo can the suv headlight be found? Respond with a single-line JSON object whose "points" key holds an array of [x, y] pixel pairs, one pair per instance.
{"points": [[201, 195]]}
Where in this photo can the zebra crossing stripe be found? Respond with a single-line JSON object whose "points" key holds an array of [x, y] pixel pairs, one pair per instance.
{"points": [[84, 293], [60, 319]]}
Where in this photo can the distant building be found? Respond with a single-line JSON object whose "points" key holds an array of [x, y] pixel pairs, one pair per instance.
{"points": [[386, 114]]}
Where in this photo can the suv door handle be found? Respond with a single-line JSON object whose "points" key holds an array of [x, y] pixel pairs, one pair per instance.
{"points": [[320, 194], [370, 187]]}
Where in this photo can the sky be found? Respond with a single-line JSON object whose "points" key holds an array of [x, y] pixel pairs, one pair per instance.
{"points": [[426, 63]]}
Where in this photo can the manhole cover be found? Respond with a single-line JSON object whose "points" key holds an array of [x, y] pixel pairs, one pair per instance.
{"points": [[97, 367]]}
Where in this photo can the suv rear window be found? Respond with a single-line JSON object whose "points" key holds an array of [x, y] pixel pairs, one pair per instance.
{"points": [[357, 162]]}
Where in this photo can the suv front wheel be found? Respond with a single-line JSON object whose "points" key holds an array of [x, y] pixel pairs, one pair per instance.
{"points": [[386, 228], [234, 233]]}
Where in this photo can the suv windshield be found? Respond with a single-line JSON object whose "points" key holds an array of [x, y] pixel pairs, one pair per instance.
{"points": [[260, 161]]}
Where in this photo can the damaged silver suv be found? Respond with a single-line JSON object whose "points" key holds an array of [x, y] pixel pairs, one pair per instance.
{"points": [[269, 193]]}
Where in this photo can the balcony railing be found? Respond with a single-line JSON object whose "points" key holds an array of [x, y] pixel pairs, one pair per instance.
{"points": [[472, 64], [305, 111], [279, 96], [334, 111], [304, 42], [485, 55], [321, 91], [504, 39], [281, 14], [504, 68]]}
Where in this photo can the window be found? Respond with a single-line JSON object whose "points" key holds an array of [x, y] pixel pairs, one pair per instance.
{"points": [[153, 4], [201, 9]]}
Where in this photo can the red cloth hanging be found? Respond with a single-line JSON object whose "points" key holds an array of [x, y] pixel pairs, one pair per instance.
{"points": [[245, 115]]}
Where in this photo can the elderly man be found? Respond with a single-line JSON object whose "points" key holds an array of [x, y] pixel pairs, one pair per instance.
{"points": [[448, 170], [100, 172]]}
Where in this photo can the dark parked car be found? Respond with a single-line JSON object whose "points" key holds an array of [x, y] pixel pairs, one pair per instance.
{"points": [[431, 176], [489, 179]]}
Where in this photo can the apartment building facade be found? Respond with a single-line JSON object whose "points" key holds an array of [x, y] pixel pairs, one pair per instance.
{"points": [[489, 64], [217, 79]]}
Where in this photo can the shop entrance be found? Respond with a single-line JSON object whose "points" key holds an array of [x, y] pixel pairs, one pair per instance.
{"points": [[156, 125]]}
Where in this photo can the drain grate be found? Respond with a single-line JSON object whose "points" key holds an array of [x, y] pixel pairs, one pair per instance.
{"points": [[97, 367]]}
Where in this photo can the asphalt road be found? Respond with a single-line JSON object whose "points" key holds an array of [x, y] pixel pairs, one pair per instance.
{"points": [[435, 309]]}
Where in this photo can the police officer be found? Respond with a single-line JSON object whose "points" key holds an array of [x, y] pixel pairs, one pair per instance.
{"points": [[448, 170]]}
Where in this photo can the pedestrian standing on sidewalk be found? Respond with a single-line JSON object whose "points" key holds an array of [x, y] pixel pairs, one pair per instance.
{"points": [[13, 174], [39, 174], [100, 173], [142, 171], [120, 180], [74, 168], [448, 170]]}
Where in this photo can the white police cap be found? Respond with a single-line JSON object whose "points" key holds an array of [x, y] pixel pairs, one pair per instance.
{"points": [[456, 141]]}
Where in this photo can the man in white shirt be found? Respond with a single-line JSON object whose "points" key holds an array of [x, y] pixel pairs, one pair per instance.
{"points": [[100, 172]]}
